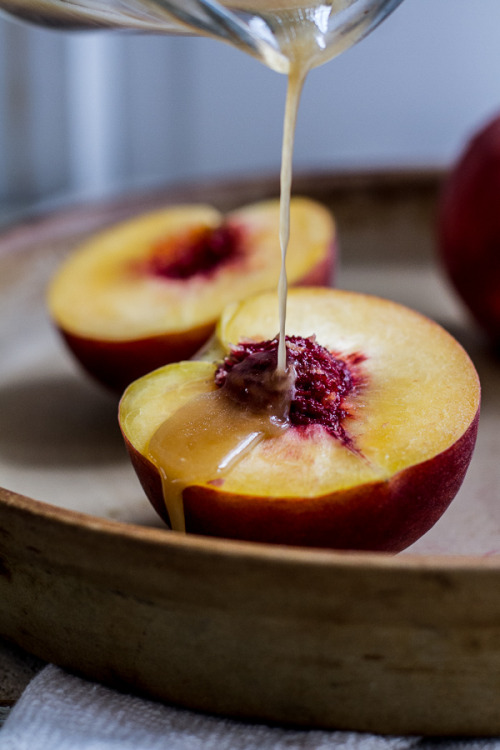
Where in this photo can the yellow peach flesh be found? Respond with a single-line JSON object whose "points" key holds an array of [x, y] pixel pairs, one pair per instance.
{"points": [[98, 293], [423, 390]]}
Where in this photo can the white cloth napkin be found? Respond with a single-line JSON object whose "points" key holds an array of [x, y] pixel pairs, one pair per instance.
{"points": [[59, 711]]}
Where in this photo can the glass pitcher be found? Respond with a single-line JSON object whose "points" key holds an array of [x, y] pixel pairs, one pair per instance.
{"points": [[261, 28]]}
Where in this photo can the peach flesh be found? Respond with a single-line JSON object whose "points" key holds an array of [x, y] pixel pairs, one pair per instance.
{"points": [[413, 422], [149, 291]]}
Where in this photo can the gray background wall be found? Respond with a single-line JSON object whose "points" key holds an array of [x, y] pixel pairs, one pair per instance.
{"points": [[88, 114]]}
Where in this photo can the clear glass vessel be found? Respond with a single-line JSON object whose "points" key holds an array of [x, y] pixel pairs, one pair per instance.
{"points": [[262, 28]]}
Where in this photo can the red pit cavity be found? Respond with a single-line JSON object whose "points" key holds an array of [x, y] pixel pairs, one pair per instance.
{"points": [[317, 395], [199, 251]]}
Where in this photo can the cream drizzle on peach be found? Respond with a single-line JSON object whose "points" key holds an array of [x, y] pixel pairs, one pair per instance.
{"points": [[207, 436]]}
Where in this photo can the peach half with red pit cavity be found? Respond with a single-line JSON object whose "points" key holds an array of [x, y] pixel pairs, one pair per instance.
{"points": [[149, 291], [382, 424]]}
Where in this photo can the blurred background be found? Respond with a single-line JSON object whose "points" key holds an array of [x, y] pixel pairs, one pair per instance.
{"points": [[85, 115]]}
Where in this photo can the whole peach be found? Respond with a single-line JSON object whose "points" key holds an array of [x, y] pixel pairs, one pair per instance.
{"points": [[469, 228]]}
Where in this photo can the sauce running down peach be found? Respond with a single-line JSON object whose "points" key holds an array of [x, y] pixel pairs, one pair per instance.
{"points": [[207, 435], [201, 442], [252, 401]]}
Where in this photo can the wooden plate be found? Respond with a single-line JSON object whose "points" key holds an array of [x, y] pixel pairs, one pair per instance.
{"points": [[90, 580]]}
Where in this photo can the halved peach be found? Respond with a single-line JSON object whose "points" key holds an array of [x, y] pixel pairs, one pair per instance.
{"points": [[150, 290], [375, 473]]}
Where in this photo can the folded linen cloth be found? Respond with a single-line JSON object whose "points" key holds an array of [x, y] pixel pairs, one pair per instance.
{"points": [[59, 711]]}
